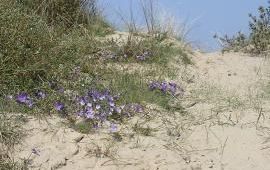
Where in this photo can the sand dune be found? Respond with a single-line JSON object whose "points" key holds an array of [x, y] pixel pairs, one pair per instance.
{"points": [[226, 127]]}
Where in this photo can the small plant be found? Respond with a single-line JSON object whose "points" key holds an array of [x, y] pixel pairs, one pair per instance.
{"points": [[145, 131], [107, 150]]}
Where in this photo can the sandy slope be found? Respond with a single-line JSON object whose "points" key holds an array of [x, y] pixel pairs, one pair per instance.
{"points": [[220, 130]]}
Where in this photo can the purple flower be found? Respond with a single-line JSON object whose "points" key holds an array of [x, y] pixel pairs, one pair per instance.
{"points": [[22, 97], [172, 87], [154, 85], [89, 113], [111, 103], [138, 108], [98, 106], [110, 98], [102, 117], [118, 110], [89, 104], [163, 87], [40, 94], [101, 97], [94, 94], [29, 103], [82, 101], [113, 128], [59, 106], [140, 57]]}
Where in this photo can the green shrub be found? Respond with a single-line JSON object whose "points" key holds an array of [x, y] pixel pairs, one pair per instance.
{"points": [[258, 41], [25, 43]]}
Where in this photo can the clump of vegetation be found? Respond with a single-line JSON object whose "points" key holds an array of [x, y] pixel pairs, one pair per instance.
{"points": [[52, 62], [258, 41], [66, 12]]}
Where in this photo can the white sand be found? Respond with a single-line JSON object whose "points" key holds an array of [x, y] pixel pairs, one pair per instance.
{"points": [[219, 132]]}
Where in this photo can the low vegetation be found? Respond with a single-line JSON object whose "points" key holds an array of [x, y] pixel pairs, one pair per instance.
{"points": [[55, 59], [258, 41]]}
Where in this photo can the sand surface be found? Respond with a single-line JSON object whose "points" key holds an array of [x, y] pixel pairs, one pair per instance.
{"points": [[227, 127]]}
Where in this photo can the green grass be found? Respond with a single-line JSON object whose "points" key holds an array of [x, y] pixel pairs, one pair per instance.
{"points": [[134, 89], [31, 49]]}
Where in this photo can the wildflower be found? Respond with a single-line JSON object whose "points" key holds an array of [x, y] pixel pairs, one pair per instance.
{"points": [[89, 104], [9, 97], [29, 103], [82, 101], [101, 97], [112, 109], [102, 117], [138, 108], [140, 57], [40, 94], [95, 95], [22, 97], [118, 110], [98, 106], [172, 87], [163, 87], [113, 128], [111, 103], [154, 85], [89, 113], [59, 106]]}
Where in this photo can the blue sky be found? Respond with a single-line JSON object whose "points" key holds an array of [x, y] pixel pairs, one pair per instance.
{"points": [[204, 17]]}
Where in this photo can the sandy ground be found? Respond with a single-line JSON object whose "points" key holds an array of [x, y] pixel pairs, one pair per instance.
{"points": [[226, 127]]}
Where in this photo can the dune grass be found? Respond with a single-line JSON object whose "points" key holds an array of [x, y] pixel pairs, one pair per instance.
{"points": [[53, 52]]}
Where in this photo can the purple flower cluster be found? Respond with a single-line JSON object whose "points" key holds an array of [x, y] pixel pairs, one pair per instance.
{"points": [[59, 106], [144, 56], [24, 98], [98, 105], [101, 106], [165, 87]]}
